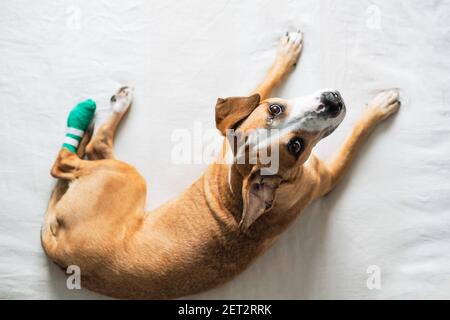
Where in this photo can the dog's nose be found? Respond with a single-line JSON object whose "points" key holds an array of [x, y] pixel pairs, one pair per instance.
{"points": [[332, 103]]}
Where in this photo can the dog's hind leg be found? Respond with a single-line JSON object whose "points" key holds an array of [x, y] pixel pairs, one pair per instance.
{"points": [[67, 167], [101, 144], [81, 151], [79, 131], [288, 53]]}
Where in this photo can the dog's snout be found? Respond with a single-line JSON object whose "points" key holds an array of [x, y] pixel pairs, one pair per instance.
{"points": [[332, 103]]}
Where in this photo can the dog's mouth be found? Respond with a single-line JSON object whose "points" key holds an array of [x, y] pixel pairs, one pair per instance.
{"points": [[328, 132], [334, 121]]}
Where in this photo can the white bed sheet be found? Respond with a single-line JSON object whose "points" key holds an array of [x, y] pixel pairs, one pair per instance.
{"points": [[393, 208]]}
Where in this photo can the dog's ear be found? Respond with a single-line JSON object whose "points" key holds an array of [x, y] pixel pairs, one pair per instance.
{"points": [[258, 194], [231, 111]]}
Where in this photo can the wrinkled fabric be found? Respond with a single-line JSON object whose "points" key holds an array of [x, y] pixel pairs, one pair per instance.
{"points": [[391, 213]]}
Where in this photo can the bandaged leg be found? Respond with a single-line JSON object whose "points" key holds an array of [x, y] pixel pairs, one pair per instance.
{"points": [[77, 123]]}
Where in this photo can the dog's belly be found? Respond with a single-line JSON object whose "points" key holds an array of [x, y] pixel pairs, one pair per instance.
{"points": [[179, 249], [165, 272], [174, 255]]}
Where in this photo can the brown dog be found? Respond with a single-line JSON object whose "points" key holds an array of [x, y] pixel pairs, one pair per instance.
{"points": [[229, 216]]}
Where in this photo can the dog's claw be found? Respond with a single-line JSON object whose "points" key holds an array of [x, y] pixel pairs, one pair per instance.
{"points": [[385, 104], [290, 48], [121, 101]]}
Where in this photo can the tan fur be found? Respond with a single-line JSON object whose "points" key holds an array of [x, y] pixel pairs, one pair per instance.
{"points": [[96, 216]]}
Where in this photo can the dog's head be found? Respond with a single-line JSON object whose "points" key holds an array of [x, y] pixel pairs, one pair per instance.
{"points": [[284, 131]]}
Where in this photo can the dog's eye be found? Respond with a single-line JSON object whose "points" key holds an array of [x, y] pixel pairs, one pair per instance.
{"points": [[275, 109], [295, 146]]}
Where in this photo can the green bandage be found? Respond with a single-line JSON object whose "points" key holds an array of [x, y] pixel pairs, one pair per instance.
{"points": [[78, 121]]}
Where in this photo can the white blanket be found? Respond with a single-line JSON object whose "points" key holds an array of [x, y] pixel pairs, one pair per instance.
{"points": [[390, 216]]}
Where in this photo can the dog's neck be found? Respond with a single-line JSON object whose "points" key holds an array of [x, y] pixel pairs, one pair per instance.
{"points": [[223, 185], [223, 192]]}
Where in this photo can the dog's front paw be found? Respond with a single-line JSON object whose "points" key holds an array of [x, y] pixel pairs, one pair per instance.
{"points": [[290, 48], [121, 101], [385, 104]]}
